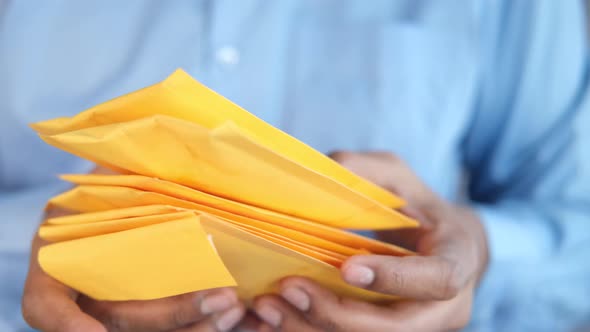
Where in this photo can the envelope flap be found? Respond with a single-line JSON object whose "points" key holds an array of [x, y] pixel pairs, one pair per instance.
{"points": [[258, 264], [141, 264], [182, 97]]}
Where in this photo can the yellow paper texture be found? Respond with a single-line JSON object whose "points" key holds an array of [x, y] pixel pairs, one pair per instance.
{"points": [[60, 231], [139, 211], [90, 198], [143, 263], [167, 188], [310, 251], [105, 199], [166, 259], [267, 263], [182, 97], [55, 233], [300, 243], [226, 163]]}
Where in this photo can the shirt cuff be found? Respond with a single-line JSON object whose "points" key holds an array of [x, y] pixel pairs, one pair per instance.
{"points": [[21, 213], [515, 232]]}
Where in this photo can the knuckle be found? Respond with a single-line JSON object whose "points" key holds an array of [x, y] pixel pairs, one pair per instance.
{"points": [[67, 325], [187, 305], [204, 326], [343, 157], [115, 320], [326, 322], [393, 280], [388, 156], [27, 305], [32, 308], [178, 318], [448, 285], [324, 316]]}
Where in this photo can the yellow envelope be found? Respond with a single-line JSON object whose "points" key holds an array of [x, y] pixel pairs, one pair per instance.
{"points": [[167, 259], [310, 251], [226, 163], [60, 231], [171, 189], [142, 263], [97, 198], [246, 255], [55, 233], [93, 198], [214, 197], [139, 211], [182, 97]]}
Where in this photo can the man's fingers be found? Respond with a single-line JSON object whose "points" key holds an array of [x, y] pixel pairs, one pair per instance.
{"points": [[379, 168], [251, 322], [280, 315], [451, 315], [50, 306], [390, 172], [318, 307], [425, 278], [161, 314], [304, 305], [220, 322]]}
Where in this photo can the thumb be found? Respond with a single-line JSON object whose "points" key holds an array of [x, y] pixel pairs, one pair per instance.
{"points": [[416, 277]]}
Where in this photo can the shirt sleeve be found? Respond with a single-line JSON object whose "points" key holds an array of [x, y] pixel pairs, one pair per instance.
{"points": [[21, 212], [528, 157], [526, 151]]}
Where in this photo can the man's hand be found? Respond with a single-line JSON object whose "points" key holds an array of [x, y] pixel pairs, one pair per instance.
{"points": [[438, 284], [48, 305]]}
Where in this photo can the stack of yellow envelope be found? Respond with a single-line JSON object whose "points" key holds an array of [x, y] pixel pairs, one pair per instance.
{"points": [[209, 196]]}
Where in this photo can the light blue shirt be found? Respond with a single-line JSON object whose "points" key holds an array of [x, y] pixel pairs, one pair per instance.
{"points": [[486, 100]]}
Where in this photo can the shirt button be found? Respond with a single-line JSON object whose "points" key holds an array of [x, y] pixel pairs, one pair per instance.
{"points": [[228, 55]]}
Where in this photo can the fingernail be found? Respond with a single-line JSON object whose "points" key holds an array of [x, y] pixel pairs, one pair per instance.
{"points": [[217, 302], [359, 275], [270, 315], [297, 297], [227, 320]]}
